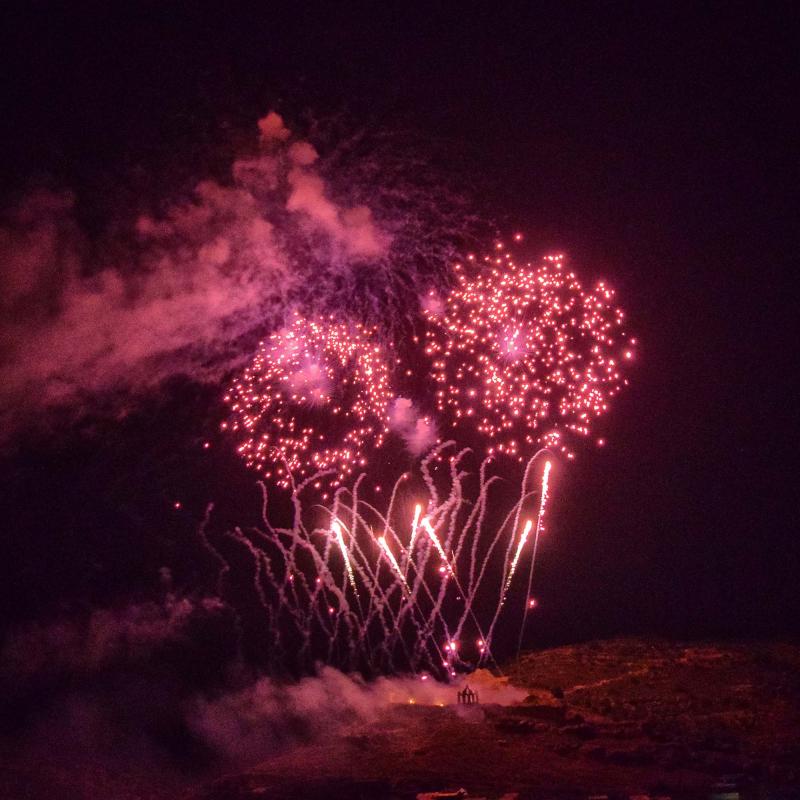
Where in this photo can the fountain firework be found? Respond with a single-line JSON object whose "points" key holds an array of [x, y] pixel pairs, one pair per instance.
{"points": [[418, 587]]}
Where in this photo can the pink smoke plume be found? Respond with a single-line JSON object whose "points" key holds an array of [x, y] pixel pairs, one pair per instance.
{"points": [[419, 432], [175, 291], [105, 637]]}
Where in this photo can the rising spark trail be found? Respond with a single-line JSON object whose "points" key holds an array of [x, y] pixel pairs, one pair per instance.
{"points": [[337, 532], [522, 539], [531, 603], [300, 580], [392, 560]]}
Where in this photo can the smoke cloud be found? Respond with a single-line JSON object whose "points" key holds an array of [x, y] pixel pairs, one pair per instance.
{"points": [[256, 719], [130, 702], [418, 432], [180, 288], [106, 636]]}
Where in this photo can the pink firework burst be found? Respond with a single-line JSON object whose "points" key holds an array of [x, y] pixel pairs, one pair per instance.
{"points": [[314, 398], [524, 355]]}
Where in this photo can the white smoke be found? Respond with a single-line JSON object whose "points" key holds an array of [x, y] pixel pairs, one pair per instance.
{"points": [[250, 722], [100, 691], [419, 432]]}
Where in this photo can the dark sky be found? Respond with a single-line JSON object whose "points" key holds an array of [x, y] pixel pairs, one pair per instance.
{"points": [[655, 148]]}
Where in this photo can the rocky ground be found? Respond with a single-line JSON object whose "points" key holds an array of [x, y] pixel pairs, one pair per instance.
{"points": [[617, 718]]}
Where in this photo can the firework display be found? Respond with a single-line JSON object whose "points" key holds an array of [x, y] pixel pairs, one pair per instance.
{"points": [[525, 356], [314, 397], [519, 356], [519, 361]]}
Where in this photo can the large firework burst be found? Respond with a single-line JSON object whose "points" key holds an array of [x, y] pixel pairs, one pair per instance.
{"points": [[523, 355], [314, 397]]}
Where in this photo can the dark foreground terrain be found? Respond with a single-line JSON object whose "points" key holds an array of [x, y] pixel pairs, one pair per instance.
{"points": [[616, 718]]}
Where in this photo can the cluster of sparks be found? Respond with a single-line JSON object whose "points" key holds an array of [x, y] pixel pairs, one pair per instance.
{"points": [[520, 355], [313, 399], [523, 355]]}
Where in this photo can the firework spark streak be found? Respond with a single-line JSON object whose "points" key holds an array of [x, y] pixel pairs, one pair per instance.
{"points": [[392, 560], [522, 539], [530, 602], [543, 494], [413, 619], [337, 532], [426, 523], [414, 528]]}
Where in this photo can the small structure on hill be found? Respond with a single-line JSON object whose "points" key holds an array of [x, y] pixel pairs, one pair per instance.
{"points": [[466, 697]]}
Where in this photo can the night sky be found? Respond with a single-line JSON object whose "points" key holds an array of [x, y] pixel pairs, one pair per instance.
{"points": [[655, 149]]}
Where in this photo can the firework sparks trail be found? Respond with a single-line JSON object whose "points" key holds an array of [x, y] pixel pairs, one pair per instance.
{"points": [[392, 560], [414, 619], [543, 495], [525, 497], [522, 539], [337, 532], [530, 602], [446, 566], [414, 528]]}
